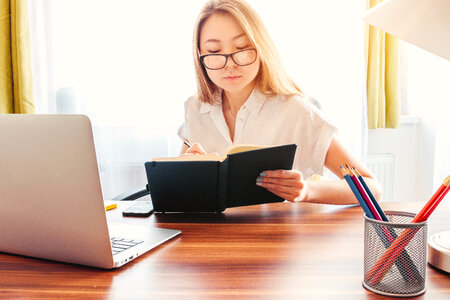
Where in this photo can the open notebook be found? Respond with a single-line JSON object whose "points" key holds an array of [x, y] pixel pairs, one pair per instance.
{"points": [[212, 182]]}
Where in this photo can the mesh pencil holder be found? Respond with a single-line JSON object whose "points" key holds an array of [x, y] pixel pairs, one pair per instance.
{"points": [[395, 255]]}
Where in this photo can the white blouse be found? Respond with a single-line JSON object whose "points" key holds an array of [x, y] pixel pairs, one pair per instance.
{"points": [[263, 120]]}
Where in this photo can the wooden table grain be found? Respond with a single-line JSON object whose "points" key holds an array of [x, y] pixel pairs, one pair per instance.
{"points": [[272, 251]]}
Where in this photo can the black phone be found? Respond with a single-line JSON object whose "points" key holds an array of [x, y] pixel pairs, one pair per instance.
{"points": [[139, 209]]}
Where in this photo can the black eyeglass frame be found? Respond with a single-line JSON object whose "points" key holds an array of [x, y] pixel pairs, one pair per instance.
{"points": [[202, 58]]}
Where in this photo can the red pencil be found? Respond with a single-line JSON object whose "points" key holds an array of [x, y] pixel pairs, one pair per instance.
{"points": [[432, 201], [439, 198]]}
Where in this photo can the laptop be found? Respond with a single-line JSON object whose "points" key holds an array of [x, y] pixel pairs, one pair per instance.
{"points": [[51, 203]]}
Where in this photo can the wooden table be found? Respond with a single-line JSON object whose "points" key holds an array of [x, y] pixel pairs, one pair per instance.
{"points": [[274, 251]]}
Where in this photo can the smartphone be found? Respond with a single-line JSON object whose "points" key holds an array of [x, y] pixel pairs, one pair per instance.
{"points": [[139, 209]]}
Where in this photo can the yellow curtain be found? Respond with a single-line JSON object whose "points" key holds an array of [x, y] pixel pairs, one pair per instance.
{"points": [[16, 84], [382, 55]]}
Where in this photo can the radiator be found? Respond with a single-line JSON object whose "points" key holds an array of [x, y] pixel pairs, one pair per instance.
{"points": [[382, 166]]}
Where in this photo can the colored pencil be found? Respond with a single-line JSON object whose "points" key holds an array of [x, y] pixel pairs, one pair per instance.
{"points": [[437, 197], [383, 236], [387, 235], [355, 191], [372, 197], [111, 206], [364, 194], [384, 263], [405, 264]]}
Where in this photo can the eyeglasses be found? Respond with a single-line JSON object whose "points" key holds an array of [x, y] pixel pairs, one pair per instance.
{"points": [[219, 61]]}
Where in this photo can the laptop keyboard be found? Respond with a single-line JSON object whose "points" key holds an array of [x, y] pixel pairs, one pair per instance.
{"points": [[119, 244]]}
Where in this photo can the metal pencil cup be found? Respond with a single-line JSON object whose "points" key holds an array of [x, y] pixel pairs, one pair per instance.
{"points": [[406, 275]]}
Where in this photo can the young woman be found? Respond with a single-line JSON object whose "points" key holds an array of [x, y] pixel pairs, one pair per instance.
{"points": [[246, 97]]}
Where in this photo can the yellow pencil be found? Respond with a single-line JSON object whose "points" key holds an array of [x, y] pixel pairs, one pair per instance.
{"points": [[111, 206]]}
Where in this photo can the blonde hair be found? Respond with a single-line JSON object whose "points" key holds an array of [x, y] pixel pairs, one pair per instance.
{"points": [[271, 79]]}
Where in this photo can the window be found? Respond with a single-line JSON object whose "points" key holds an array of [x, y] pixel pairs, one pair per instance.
{"points": [[129, 65]]}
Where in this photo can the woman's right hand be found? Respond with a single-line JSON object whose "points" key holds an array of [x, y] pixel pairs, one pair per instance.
{"points": [[195, 148]]}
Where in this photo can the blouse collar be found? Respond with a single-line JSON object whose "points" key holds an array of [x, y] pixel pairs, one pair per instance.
{"points": [[254, 102]]}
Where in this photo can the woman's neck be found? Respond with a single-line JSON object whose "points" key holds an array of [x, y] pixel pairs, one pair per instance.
{"points": [[235, 100]]}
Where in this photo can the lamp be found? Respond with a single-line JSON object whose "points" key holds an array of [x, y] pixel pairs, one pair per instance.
{"points": [[426, 24]]}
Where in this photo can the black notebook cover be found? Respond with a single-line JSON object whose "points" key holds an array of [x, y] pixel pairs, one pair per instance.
{"points": [[212, 186]]}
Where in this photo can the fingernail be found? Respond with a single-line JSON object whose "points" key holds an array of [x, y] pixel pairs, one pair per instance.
{"points": [[258, 183], [259, 179], [263, 174]]}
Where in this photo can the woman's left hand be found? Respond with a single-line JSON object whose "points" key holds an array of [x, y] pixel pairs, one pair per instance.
{"points": [[288, 184]]}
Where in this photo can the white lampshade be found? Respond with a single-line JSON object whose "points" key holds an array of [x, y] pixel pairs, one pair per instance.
{"points": [[424, 23]]}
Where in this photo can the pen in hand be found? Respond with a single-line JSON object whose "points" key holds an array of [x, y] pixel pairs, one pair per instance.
{"points": [[192, 149], [184, 141]]}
